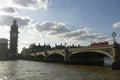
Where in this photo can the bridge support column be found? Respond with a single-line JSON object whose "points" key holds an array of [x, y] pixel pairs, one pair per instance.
{"points": [[116, 62], [66, 54], [46, 54]]}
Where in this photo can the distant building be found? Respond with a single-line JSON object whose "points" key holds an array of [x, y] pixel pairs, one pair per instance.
{"points": [[35, 48], [38, 48], [59, 46], [14, 40], [3, 48]]}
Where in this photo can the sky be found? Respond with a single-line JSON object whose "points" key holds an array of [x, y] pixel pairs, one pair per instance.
{"points": [[58, 21]]}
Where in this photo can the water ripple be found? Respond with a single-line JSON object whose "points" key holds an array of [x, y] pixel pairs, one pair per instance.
{"points": [[31, 70]]}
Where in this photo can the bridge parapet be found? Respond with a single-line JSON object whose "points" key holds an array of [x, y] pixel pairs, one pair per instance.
{"points": [[92, 48]]}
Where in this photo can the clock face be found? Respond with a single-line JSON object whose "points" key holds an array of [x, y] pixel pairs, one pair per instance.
{"points": [[14, 35]]}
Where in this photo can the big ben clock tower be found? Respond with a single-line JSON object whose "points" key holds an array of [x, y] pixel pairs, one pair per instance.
{"points": [[14, 39]]}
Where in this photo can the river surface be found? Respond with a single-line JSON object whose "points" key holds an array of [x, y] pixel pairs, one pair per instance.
{"points": [[36, 70]]}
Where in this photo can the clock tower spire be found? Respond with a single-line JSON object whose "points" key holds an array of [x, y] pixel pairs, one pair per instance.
{"points": [[14, 39]]}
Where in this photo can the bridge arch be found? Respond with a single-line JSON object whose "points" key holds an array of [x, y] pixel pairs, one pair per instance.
{"points": [[88, 55], [55, 57], [40, 54], [40, 57], [59, 53], [94, 51]]}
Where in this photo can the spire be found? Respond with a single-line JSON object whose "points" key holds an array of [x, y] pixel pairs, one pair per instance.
{"points": [[14, 21]]}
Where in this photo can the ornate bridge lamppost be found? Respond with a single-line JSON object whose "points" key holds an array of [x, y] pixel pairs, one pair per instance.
{"points": [[66, 51], [45, 50], [114, 35]]}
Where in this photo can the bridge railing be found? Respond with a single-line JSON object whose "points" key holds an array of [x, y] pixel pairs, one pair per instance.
{"points": [[94, 47]]}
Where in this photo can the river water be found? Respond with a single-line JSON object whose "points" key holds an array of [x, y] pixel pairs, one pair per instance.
{"points": [[36, 70]]}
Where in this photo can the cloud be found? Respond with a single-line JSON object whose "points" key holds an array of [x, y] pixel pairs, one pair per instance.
{"points": [[76, 33], [12, 6], [116, 25], [92, 36], [30, 4], [59, 28], [52, 28], [7, 20], [7, 10], [84, 34], [63, 31], [4, 32]]}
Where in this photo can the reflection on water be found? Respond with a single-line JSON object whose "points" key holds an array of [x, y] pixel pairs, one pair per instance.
{"points": [[31, 70], [107, 61], [7, 70]]}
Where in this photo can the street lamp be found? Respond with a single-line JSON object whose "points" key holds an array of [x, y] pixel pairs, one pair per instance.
{"points": [[114, 35]]}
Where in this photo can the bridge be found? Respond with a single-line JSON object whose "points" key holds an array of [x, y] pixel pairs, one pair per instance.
{"points": [[82, 55]]}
